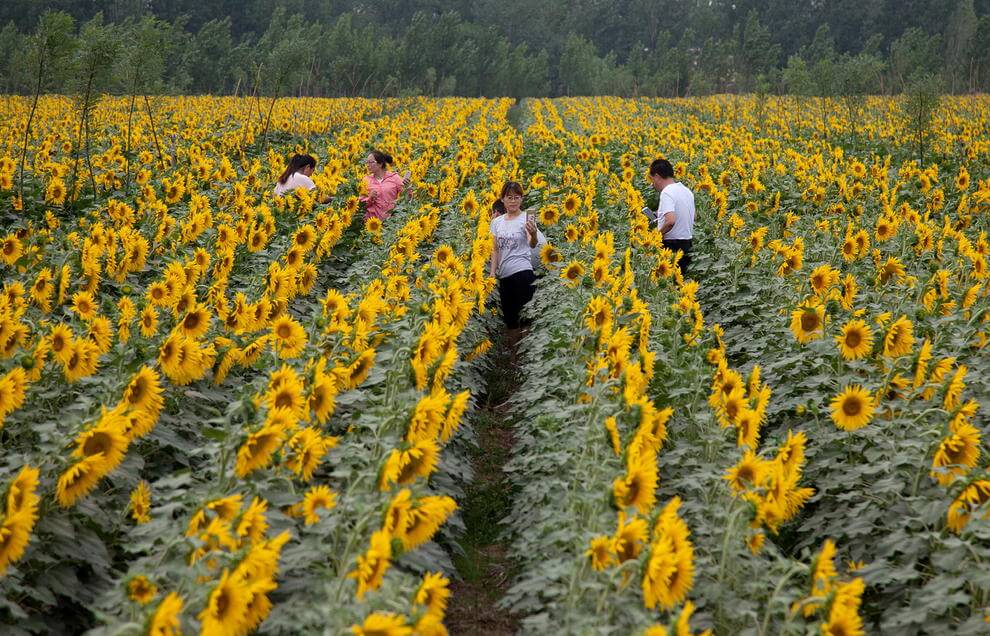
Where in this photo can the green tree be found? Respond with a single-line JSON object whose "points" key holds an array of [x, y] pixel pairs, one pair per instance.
{"points": [[92, 64], [48, 60], [959, 36]]}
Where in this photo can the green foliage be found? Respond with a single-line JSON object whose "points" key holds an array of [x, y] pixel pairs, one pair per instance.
{"points": [[524, 48]]}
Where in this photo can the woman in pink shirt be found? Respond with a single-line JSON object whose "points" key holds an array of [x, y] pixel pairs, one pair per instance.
{"points": [[384, 187]]}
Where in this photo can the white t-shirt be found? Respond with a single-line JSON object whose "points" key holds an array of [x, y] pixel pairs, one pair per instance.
{"points": [[296, 180], [678, 199], [514, 252]]}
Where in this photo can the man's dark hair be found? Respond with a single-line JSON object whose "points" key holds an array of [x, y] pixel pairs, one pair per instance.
{"points": [[663, 168]]}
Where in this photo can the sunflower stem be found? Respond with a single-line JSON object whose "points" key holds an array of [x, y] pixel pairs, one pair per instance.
{"points": [[795, 569]]}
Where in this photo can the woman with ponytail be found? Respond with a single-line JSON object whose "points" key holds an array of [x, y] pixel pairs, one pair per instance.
{"points": [[297, 174], [383, 186]]}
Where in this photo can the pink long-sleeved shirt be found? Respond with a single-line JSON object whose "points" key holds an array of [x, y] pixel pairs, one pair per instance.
{"points": [[388, 190]]}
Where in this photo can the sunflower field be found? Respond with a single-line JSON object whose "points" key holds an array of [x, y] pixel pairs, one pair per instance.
{"points": [[225, 412]]}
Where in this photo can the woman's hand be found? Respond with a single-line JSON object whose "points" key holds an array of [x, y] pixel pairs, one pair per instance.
{"points": [[372, 195], [531, 232]]}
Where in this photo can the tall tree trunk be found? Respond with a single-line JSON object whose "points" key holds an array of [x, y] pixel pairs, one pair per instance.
{"points": [[127, 141], [30, 120], [154, 132]]}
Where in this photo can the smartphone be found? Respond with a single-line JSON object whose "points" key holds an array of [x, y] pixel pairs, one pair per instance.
{"points": [[405, 175], [530, 216]]}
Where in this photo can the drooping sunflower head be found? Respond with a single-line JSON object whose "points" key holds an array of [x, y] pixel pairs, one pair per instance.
{"points": [[573, 273], [899, 340]]}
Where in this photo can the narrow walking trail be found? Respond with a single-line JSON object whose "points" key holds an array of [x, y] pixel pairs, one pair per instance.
{"points": [[484, 565]]}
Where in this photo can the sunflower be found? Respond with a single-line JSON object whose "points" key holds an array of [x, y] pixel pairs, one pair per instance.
{"points": [[257, 450], [899, 340], [549, 215], [159, 294], [843, 615], [790, 455], [629, 537], [253, 523], [424, 519], [290, 337], [822, 278], [893, 268], [853, 408], [13, 387], [10, 249], [226, 606], [144, 391], [748, 428], [452, 420], [371, 565], [549, 255], [807, 322], [373, 226], [317, 497], [196, 321], [305, 237], [855, 341], [84, 305], [972, 497], [571, 204], [141, 590], [77, 480], [382, 624], [638, 487], [573, 273], [100, 332], [669, 573], [140, 503], [749, 472], [598, 315], [953, 391], [167, 619], [956, 454], [55, 191], [149, 321], [433, 593], [307, 448], [419, 460], [886, 229], [322, 397], [352, 376], [443, 255], [729, 406]]}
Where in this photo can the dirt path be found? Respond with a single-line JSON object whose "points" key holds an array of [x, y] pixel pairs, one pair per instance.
{"points": [[484, 567]]}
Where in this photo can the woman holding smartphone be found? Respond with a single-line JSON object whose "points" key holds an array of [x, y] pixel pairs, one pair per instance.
{"points": [[384, 187], [517, 243]]}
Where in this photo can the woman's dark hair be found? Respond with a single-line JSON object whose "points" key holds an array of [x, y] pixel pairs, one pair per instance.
{"points": [[511, 186], [382, 158], [297, 163], [498, 208], [663, 168]]}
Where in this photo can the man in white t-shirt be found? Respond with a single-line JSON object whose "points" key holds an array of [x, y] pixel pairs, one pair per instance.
{"points": [[675, 213]]}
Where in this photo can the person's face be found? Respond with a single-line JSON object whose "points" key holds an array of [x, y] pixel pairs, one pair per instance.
{"points": [[512, 202], [307, 170], [373, 166], [657, 181]]}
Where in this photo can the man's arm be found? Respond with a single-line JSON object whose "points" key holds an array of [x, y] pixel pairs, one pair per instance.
{"points": [[667, 224]]}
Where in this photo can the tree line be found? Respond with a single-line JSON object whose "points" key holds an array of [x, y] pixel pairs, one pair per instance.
{"points": [[495, 47]]}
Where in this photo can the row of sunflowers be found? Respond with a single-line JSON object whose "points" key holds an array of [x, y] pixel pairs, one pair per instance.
{"points": [[223, 409], [815, 385]]}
